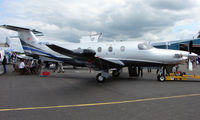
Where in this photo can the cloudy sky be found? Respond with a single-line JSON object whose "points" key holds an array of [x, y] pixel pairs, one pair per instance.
{"points": [[68, 20]]}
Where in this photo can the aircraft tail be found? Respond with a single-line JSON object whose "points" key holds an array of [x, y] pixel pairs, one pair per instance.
{"points": [[27, 38], [90, 38], [7, 44]]}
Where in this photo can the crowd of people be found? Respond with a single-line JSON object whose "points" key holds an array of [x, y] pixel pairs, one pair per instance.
{"points": [[29, 66]]}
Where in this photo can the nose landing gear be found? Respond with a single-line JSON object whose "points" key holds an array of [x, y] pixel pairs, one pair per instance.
{"points": [[161, 75], [161, 78]]}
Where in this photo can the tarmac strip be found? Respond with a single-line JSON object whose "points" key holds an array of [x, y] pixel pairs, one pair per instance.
{"points": [[100, 104]]}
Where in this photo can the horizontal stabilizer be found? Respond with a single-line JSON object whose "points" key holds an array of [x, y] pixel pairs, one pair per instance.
{"points": [[15, 28]]}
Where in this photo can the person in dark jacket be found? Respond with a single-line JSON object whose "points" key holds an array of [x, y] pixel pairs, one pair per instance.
{"points": [[198, 35], [4, 63]]}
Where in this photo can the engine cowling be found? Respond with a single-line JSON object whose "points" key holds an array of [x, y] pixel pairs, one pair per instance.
{"points": [[85, 52]]}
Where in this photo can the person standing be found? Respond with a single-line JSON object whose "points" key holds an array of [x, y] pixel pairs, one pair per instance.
{"points": [[61, 67], [140, 71], [149, 69], [22, 67], [174, 69], [4, 63], [33, 67]]}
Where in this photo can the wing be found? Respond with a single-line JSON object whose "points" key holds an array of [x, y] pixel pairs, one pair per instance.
{"points": [[77, 53], [88, 56]]}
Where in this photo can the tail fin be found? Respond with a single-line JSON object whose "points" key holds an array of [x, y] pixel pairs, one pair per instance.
{"points": [[27, 37], [7, 44], [90, 38], [25, 34]]}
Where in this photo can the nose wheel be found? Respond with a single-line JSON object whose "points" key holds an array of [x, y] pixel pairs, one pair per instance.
{"points": [[161, 78]]}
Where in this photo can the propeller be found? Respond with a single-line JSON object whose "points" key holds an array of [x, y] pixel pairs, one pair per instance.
{"points": [[190, 47], [190, 56], [198, 35], [190, 63]]}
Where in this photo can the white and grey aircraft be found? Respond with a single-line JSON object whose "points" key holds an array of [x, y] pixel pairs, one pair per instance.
{"points": [[102, 56]]}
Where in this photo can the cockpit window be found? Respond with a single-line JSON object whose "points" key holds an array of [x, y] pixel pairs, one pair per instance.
{"points": [[144, 46]]}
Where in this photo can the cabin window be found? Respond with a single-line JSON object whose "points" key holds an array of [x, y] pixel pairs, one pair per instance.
{"points": [[99, 49], [122, 48], [110, 49]]}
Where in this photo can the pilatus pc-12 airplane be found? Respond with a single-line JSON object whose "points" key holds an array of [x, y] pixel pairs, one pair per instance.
{"points": [[101, 56]]}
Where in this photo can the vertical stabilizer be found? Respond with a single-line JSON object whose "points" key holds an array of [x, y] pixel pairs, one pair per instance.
{"points": [[31, 45], [27, 38], [90, 38]]}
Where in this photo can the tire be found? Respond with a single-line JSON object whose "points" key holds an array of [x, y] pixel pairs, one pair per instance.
{"points": [[100, 78], [161, 78]]}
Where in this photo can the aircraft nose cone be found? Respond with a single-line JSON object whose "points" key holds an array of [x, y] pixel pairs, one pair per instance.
{"points": [[192, 55], [187, 55]]}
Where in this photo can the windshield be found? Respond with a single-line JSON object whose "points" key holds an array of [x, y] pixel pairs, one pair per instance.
{"points": [[144, 46]]}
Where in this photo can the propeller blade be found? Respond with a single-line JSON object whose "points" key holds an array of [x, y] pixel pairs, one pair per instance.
{"points": [[190, 65], [190, 47]]}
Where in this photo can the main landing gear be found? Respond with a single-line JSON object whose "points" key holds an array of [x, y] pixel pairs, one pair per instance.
{"points": [[104, 75], [101, 77], [115, 73]]}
